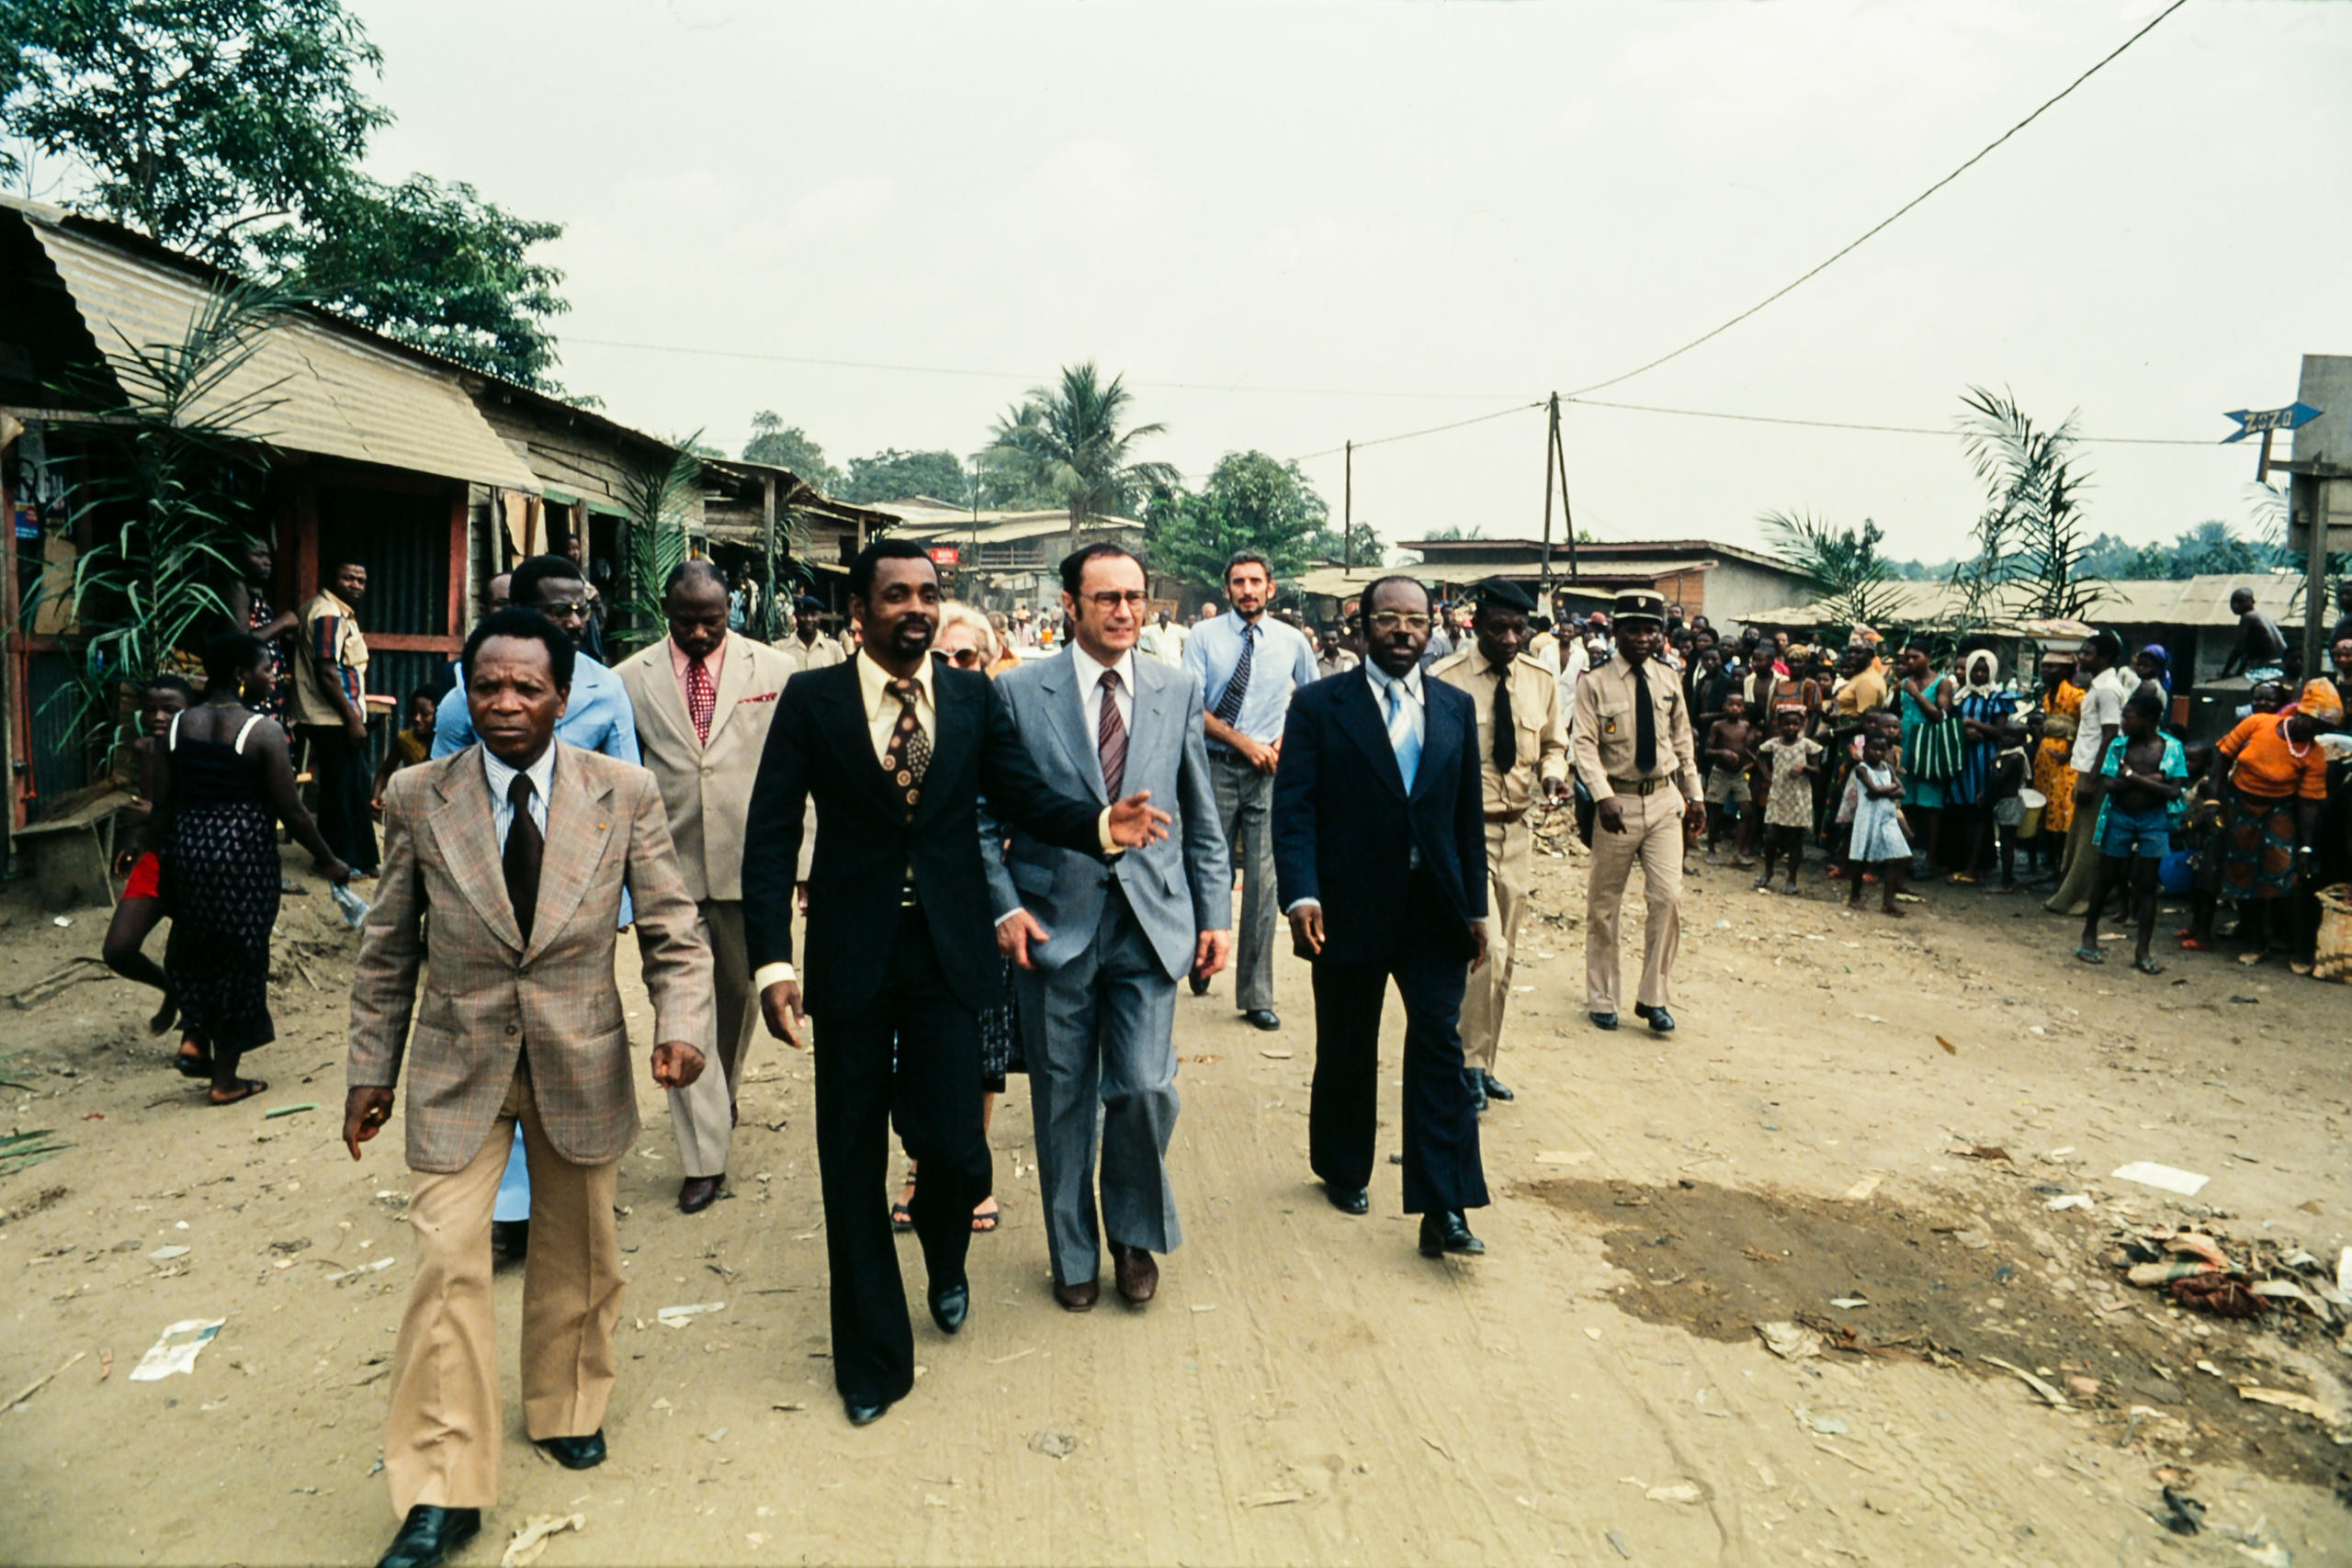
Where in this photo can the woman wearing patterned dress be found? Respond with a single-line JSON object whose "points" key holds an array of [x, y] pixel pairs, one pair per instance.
{"points": [[223, 783], [2054, 769]]}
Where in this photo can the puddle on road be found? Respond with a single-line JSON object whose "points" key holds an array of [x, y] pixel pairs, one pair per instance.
{"points": [[1950, 1287]]}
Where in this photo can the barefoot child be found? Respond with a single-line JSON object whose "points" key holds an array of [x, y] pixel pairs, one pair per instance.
{"points": [[1731, 742], [141, 908], [1875, 793], [1793, 760], [2149, 783]]}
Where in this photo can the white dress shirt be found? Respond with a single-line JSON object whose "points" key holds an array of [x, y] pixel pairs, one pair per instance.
{"points": [[502, 779], [1092, 671]]}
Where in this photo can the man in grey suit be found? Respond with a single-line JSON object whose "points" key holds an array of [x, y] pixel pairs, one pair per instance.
{"points": [[1099, 945]]}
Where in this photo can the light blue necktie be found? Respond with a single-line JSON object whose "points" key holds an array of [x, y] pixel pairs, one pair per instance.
{"points": [[1401, 737]]}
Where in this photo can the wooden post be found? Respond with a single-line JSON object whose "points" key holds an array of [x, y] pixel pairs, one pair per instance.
{"points": [[1348, 516], [767, 540], [1568, 512], [1551, 441]]}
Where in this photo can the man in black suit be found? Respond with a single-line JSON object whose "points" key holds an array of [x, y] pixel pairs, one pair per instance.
{"points": [[897, 748], [1380, 850]]}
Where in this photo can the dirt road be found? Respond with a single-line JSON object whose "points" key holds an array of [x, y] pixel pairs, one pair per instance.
{"points": [[1306, 1389]]}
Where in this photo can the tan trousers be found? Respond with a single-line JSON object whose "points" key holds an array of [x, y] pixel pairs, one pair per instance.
{"points": [[1510, 863], [442, 1440], [703, 1113], [1653, 834]]}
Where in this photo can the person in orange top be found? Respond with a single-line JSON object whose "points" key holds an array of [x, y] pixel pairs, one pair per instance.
{"points": [[2054, 769], [2272, 777]]}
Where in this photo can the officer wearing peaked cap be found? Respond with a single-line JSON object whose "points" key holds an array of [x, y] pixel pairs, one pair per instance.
{"points": [[1523, 757], [1633, 752]]}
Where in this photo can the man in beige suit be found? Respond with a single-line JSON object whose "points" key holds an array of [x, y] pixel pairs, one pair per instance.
{"points": [[704, 698], [518, 849]]}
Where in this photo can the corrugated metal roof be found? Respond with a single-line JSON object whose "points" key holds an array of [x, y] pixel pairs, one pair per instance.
{"points": [[2122, 602], [335, 394]]}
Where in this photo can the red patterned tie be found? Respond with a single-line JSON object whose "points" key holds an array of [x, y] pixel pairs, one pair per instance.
{"points": [[1111, 736], [702, 699]]}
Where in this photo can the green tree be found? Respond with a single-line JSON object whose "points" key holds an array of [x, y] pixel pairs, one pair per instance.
{"points": [[893, 474], [190, 120], [2031, 548], [1330, 545], [1250, 501], [1067, 442], [430, 265], [785, 446], [1854, 580]]}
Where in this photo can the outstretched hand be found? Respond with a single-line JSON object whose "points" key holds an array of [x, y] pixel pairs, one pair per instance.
{"points": [[1134, 823]]}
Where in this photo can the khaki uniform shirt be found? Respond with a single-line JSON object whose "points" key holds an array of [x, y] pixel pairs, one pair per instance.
{"points": [[1534, 714], [1603, 729], [822, 654], [1338, 661]]}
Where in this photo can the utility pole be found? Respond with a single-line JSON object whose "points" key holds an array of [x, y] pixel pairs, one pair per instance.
{"points": [[1550, 444], [1568, 512], [768, 551], [1348, 513]]}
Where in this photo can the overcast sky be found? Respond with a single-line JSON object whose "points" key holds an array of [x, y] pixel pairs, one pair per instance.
{"points": [[1386, 216]]}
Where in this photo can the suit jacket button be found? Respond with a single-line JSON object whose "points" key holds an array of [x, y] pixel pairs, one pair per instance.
{"points": [[513, 1029]]}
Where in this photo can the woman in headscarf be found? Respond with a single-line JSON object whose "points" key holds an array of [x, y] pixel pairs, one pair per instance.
{"points": [[2271, 774], [2059, 709], [2153, 666], [1985, 711]]}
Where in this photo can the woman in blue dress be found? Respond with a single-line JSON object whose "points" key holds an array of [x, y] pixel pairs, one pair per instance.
{"points": [[1931, 750], [1986, 713]]}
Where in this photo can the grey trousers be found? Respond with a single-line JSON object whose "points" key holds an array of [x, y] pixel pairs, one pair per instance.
{"points": [[1245, 804], [703, 1113], [1098, 1034]]}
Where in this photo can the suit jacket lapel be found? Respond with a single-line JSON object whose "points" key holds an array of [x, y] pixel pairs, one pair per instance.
{"points": [[1067, 709], [1439, 742], [1360, 717], [843, 703], [733, 677], [957, 735], [1157, 719], [467, 835], [579, 826], [669, 702]]}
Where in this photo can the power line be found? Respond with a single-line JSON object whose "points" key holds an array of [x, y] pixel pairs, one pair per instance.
{"points": [[1409, 434], [1884, 225], [1849, 425]]}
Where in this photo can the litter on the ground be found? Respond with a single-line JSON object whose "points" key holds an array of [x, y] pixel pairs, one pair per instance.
{"points": [[678, 1316], [2166, 1178], [1847, 1303], [38, 1383], [1865, 1187], [2070, 1201], [532, 1539], [288, 1110], [2047, 1391], [165, 1254], [1789, 1341], [175, 1350]]}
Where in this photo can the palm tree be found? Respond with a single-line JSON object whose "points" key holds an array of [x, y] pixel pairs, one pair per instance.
{"points": [[1855, 583], [1066, 442], [2030, 537]]}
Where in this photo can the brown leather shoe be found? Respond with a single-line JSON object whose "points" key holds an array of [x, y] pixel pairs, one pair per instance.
{"points": [[697, 1193], [1078, 1298], [1138, 1275]]}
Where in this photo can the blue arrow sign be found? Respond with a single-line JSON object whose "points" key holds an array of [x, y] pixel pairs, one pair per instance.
{"points": [[2254, 423]]}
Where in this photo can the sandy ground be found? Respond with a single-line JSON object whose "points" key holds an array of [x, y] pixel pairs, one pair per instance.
{"points": [[1306, 1389]]}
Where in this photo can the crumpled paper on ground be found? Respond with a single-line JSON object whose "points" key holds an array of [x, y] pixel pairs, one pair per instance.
{"points": [[175, 1351]]}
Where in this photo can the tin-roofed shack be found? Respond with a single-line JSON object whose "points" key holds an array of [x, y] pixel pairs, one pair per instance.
{"points": [[1002, 561], [1723, 582]]}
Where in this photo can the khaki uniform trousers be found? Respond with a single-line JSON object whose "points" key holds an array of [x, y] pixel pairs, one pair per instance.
{"points": [[1511, 864], [703, 1113], [442, 1440], [1653, 834]]}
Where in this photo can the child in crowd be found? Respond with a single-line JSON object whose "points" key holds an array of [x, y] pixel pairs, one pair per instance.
{"points": [[2150, 784], [1731, 743], [2002, 790], [2200, 833], [1792, 758], [410, 746], [1874, 796], [142, 908]]}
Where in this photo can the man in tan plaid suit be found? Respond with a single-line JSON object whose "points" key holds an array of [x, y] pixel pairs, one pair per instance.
{"points": [[518, 849]]}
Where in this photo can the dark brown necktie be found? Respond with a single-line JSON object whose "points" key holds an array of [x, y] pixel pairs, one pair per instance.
{"points": [[1110, 737], [909, 757], [525, 849]]}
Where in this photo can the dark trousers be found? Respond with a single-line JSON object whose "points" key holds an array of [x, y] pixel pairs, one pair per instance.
{"points": [[910, 1058], [339, 766], [1442, 1166]]}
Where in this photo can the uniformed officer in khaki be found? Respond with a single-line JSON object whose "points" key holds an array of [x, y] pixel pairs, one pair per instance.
{"points": [[1631, 739], [1523, 752]]}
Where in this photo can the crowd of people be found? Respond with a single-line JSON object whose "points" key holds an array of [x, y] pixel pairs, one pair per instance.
{"points": [[951, 846]]}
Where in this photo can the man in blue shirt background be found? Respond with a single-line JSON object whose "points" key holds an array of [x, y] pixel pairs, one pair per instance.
{"points": [[1249, 663]]}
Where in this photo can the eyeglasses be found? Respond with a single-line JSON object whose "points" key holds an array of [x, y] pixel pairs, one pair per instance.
{"points": [[966, 657], [1109, 600], [1390, 620]]}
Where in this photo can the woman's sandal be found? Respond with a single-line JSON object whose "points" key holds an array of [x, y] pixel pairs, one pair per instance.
{"points": [[986, 1220], [2089, 955], [2199, 944], [2147, 967], [902, 1214], [246, 1089], [193, 1061]]}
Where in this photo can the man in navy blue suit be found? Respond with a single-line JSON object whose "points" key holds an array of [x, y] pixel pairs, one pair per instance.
{"points": [[1381, 859]]}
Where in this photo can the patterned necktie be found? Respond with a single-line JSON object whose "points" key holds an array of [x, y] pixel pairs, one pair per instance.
{"points": [[702, 699], [1401, 737], [1229, 702], [525, 849], [1505, 732], [909, 757], [1644, 723], [1110, 737]]}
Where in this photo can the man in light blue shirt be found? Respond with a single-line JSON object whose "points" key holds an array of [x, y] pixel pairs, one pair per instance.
{"points": [[597, 717], [1249, 663]]}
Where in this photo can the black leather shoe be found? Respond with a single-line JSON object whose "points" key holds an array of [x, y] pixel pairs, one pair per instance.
{"points": [[429, 1534], [699, 1192], [1349, 1200], [1660, 1020], [1494, 1088], [863, 1411], [950, 1307], [1200, 985], [511, 1237], [1604, 1020], [1447, 1231], [575, 1453], [1265, 1018], [1477, 1082]]}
